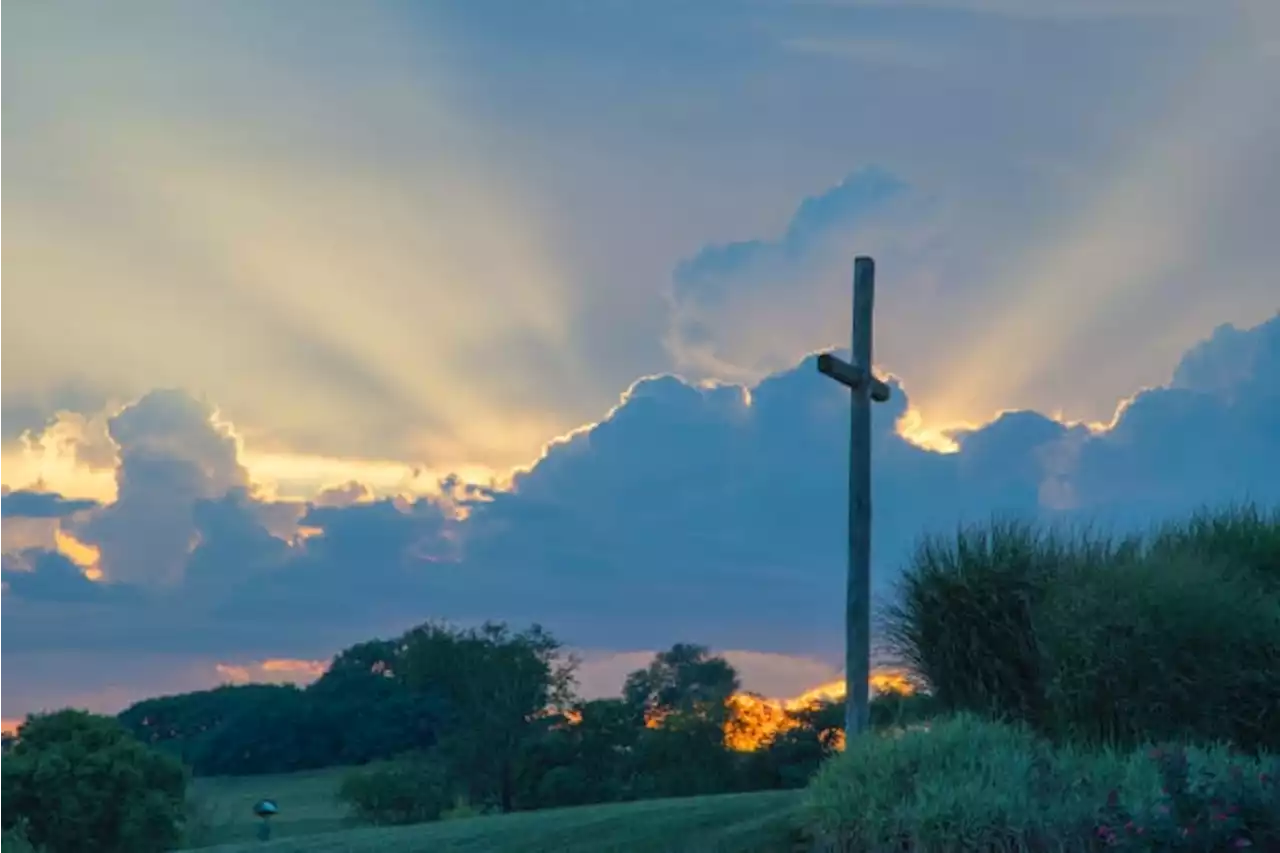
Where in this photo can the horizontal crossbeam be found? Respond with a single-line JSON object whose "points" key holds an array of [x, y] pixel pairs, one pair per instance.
{"points": [[854, 377]]}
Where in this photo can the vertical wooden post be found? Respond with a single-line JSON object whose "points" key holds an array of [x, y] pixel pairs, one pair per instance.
{"points": [[857, 652], [864, 389]]}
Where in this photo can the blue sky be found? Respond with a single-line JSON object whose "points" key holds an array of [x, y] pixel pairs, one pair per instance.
{"points": [[326, 319]]}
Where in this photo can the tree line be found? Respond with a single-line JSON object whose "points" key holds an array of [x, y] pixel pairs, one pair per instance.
{"points": [[491, 716]]}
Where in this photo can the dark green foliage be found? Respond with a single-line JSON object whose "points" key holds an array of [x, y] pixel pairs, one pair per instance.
{"points": [[181, 724], [683, 757], [966, 784], [892, 708], [1176, 636], [80, 783], [1163, 648], [411, 789], [965, 619], [686, 680], [363, 709], [498, 685], [360, 710], [592, 760], [1241, 541], [1209, 800], [15, 840]]}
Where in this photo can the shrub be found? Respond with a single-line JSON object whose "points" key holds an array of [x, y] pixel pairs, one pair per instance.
{"points": [[79, 783], [1162, 648], [1210, 800], [964, 784], [15, 840], [965, 619], [896, 708], [411, 789], [1244, 541], [1110, 641]]}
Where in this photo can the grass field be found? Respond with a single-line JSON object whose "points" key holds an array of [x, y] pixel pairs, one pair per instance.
{"points": [[222, 807], [311, 821]]}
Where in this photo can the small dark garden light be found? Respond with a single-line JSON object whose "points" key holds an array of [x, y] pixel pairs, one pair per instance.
{"points": [[265, 809]]}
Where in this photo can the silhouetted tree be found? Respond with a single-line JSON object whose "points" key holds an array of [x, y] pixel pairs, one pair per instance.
{"points": [[686, 680], [498, 686]]}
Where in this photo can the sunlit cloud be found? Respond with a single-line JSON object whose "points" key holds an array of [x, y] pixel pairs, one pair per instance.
{"points": [[1151, 231], [84, 555], [363, 294], [272, 671]]}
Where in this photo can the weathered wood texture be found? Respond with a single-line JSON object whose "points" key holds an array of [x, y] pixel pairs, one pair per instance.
{"points": [[864, 388]]}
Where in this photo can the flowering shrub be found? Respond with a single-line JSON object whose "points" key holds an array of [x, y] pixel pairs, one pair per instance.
{"points": [[1210, 801]]}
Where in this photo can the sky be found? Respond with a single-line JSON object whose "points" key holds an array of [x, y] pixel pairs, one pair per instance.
{"points": [[329, 318]]}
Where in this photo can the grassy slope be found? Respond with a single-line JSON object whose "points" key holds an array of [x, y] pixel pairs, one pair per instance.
{"points": [[222, 807], [311, 821]]}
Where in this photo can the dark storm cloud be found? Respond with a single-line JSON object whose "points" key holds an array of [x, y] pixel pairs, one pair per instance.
{"points": [[29, 504]]}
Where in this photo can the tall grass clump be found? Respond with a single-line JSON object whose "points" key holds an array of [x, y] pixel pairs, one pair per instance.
{"points": [[1241, 540], [965, 620], [1107, 641], [1168, 647], [966, 784]]}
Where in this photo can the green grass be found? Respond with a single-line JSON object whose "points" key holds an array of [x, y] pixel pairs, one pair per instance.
{"points": [[222, 806], [731, 823]]}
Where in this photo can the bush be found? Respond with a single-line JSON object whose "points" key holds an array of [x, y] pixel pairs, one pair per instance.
{"points": [[1243, 541], [965, 619], [15, 840], [1162, 648], [79, 783], [411, 789], [1111, 642], [1209, 800], [965, 784]]}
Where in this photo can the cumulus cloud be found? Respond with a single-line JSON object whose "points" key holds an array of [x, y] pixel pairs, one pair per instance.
{"points": [[28, 504], [698, 512], [172, 455]]}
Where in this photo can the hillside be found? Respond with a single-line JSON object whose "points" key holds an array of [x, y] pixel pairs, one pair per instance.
{"points": [[311, 821]]}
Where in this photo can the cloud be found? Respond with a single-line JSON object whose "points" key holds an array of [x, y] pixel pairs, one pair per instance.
{"points": [[437, 284], [357, 275], [27, 504], [722, 322], [172, 455], [696, 512], [49, 576], [1054, 10]]}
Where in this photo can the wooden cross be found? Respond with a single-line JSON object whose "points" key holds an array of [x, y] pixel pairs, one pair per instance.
{"points": [[864, 388]]}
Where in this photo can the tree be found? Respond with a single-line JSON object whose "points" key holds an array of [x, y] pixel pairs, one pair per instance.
{"points": [[686, 680], [364, 710], [80, 783], [183, 724], [360, 710], [497, 684], [586, 755], [682, 697], [411, 789]]}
